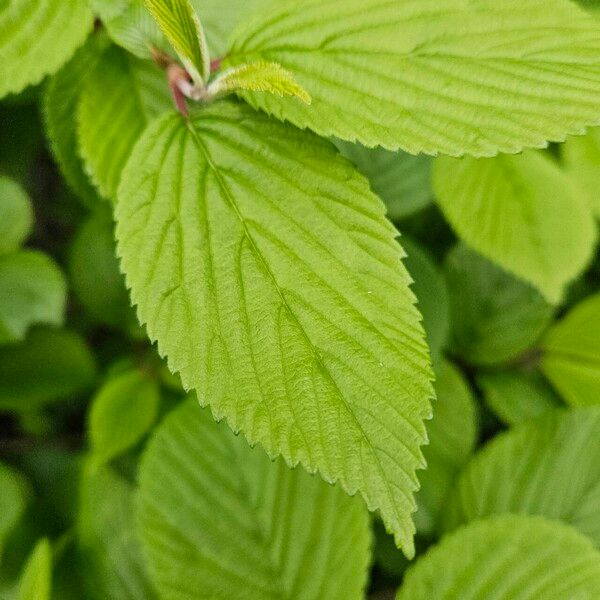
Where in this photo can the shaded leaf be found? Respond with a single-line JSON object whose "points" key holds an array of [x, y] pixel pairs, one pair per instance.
{"points": [[16, 215]]}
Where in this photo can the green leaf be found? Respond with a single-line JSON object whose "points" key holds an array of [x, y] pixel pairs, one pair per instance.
{"points": [[107, 539], [581, 156], [180, 24], [259, 76], [121, 97], [452, 437], [432, 76], [95, 275], [49, 365], [571, 358], [16, 215], [37, 38], [516, 396], [12, 501], [507, 558], [219, 520], [122, 412], [549, 466], [494, 316], [273, 284], [36, 580], [60, 101], [401, 180], [521, 212], [33, 291]]}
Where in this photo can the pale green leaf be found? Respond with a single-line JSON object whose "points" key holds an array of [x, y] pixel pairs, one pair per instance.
{"points": [[494, 316], [37, 37], [507, 558], [49, 365], [259, 76], [521, 212], [401, 180], [122, 412], [516, 396], [571, 358], [60, 101], [274, 285], [219, 521], [33, 291], [180, 24], [449, 76], [581, 156], [36, 579], [12, 501], [122, 96], [16, 215], [452, 437], [549, 466]]}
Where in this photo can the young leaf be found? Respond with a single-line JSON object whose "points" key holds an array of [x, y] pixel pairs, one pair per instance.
{"points": [[259, 76], [122, 96], [521, 212], [571, 357], [264, 267], [16, 215], [494, 316], [180, 24], [38, 37], [507, 558], [549, 466], [432, 76], [219, 520], [122, 412], [33, 290], [36, 579]]}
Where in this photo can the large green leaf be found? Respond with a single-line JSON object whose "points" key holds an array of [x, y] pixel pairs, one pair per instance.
{"points": [[507, 558], [264, 267], [16, 215], [571, 357], [219, 521], [494, 316], [521, 212], [33, 291], [549, 466], [37, 37], [121, 97], [450, 76]]}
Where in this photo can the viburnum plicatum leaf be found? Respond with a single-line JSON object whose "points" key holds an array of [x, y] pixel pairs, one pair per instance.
{"points": [[37, 37], [571, 354], [507, 558], [219, 521], [12, 501], [264, 267], [548, 466], [449, 76], [522, 212], [122, 96], [16, 215], [36, 578]]}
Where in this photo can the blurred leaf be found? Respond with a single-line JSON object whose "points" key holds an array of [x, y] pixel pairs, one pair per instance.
{"points": [[452, 437], [516, 396], [49, 365], [282, 532], [571, 358], [122, 412], [33, 291], [38, 37], [508, 558], [548, 466], [494, 317], [12, 501], [522, 212], [36, 580], [401, 180], [16, 215]]}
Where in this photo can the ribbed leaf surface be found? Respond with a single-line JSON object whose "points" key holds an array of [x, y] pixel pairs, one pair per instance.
{"points": [[549, 466], [449, 76], [219, 521], [507, 558], [265, 268]]}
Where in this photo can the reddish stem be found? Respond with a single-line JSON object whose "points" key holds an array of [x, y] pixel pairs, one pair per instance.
{"points": [[215, 64], [177, 76]]}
